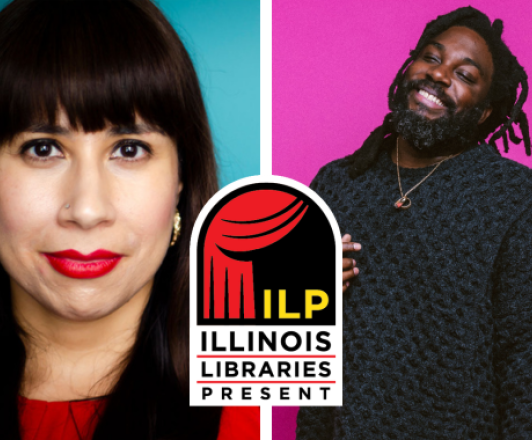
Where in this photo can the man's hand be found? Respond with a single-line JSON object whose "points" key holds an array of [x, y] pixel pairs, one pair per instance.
{"points": [[348, 264]]}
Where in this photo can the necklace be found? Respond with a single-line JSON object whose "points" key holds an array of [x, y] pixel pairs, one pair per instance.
{"points": [[404, 202]]}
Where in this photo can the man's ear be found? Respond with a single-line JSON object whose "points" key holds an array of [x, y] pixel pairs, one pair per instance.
{"points": [[485, 114]]}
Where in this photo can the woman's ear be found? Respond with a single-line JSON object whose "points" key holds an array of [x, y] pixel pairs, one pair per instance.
{"points": [[179, 189]]}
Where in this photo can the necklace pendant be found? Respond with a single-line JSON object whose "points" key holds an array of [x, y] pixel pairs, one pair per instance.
{"points": [[403, 203]]}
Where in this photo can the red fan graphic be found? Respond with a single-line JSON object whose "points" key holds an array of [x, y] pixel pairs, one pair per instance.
{"points": [[250, 221]]}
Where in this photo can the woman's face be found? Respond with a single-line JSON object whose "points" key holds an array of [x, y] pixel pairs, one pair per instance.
{"points": [[86, 218]]}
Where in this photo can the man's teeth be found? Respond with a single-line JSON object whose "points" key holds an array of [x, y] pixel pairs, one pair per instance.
{"points": [[431, 97]]}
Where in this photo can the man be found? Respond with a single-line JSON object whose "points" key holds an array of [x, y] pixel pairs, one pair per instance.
{"points": [[438, 325]]}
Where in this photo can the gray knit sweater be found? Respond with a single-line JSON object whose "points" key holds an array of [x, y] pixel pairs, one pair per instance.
{"points": [[438, 325]]}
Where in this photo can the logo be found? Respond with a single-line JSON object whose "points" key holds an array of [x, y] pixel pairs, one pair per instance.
{"points": [[265, 297]]}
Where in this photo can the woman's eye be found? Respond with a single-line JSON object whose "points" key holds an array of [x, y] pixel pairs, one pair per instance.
{"points": [[130, 151], [41, 149]]}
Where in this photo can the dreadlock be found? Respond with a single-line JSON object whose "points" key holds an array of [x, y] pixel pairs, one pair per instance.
{"points": [[507, 76]]}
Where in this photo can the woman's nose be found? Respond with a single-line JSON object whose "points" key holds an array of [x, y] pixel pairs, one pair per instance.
{"points": [[88, 200]]}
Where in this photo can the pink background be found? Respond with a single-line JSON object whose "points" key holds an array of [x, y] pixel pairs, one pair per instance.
{"points": [[333, 62]]}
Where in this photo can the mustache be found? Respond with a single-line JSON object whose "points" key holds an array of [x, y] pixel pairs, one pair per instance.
{"points": [[435, 89]]}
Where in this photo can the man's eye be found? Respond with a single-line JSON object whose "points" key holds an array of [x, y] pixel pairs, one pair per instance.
{"points": [[41, 149], [465, 77], [430, 58], [130, 150]]}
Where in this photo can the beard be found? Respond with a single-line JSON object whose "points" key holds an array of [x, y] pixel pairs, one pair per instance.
{"points": [[446, 135]]}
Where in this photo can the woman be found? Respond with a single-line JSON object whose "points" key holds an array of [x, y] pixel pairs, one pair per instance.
{"points": [[105, 162]]}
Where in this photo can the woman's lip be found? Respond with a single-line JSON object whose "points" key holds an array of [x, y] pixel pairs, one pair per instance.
{"points": [[99, 254], [74, 264]]}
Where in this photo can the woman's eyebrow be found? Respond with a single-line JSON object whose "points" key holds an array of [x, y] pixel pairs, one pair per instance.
{"points": [[47, 128], [140, 128]]}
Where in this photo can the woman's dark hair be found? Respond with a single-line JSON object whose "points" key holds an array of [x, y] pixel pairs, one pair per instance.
{"points": [[105, 62], [508, 75]]}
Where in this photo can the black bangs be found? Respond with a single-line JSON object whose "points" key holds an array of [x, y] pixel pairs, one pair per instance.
{"points": [[102, 62]]}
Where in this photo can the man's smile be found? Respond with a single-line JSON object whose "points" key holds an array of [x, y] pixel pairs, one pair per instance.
{"points": [[431, 98], [425, 96]]}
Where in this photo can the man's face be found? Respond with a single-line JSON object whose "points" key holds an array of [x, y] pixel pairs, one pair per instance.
{"points": [[444, 91], [457, 68]]}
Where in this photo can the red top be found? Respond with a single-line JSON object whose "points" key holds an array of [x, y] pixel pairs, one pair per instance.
{"points": [[76, 420]]}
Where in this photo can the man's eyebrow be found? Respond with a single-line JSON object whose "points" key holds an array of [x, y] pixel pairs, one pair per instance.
{"points": [[140, 128], [466, 60], [473, 63], [436, 45]]}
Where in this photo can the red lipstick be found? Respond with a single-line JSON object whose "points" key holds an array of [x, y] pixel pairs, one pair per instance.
{"points": [[74, 264]]}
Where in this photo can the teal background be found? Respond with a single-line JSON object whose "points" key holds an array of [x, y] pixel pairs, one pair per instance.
{"points": [[223, 40]]}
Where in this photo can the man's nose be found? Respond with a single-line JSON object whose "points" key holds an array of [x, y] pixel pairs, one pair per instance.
{"points": [[440, 74], [88, 200]]}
